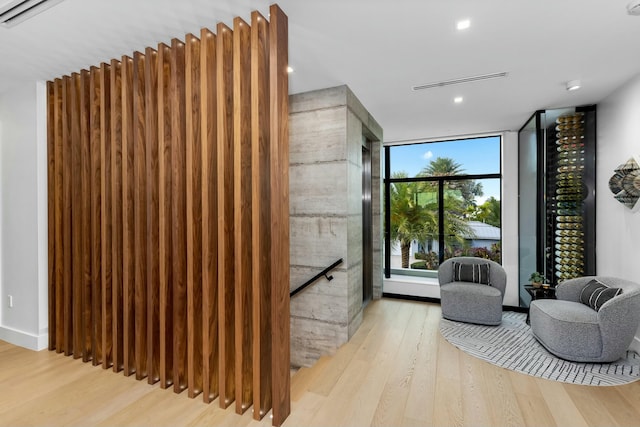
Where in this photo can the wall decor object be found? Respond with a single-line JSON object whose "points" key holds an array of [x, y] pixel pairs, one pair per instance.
{"points": [[625, 184], [168, 208]]}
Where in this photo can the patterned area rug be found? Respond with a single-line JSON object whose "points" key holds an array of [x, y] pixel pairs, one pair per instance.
{"points": [[512, 345]]}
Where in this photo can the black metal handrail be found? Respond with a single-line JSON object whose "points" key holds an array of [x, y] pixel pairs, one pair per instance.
{"points": [[316, 277]]}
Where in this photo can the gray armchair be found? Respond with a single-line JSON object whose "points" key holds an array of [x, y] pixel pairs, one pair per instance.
{"points": [[574, 331], [472, 302]]}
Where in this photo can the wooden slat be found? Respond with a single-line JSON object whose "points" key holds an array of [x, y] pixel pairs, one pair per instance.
{"points": [[105, 213], [242, 213], [58, 247], [116, 213], [165, 221], [51, 237], [194, 214], [226, 243], [140, 214], [96, 209], [152, 237], [66, 216], [261, 215], [128, 253], [85, 225], [279, 101], [178, 211], [76, 215], [209, 213]]}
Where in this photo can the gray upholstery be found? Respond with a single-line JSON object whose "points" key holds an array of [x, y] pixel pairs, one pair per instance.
{"points": [[472, 302], [574, 331]]}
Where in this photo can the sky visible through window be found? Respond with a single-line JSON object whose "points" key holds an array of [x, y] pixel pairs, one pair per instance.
{"points": [[476, 155]]}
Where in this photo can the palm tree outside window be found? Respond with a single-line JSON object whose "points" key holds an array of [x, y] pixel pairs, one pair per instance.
{"points": [[443, 200]]}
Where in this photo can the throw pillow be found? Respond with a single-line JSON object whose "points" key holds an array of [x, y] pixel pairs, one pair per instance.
{"points": [[475, 273], [596, 293]]}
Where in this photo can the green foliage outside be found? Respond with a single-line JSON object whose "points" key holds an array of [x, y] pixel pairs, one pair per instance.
{"points": [[414, 214]]}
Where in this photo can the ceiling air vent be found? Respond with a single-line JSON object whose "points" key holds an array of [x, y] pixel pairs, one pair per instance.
{"points": [[460, 81], [13, 12]]}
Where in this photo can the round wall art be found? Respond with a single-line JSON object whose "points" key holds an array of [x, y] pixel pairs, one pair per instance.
{"points": [[625, 184]]}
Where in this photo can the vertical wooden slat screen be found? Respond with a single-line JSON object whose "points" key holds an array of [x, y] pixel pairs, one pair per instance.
{"points": [[208, 121], [168, 215], [261, 215], [279, 154], [116, 214], [242, 211], [164, 217], [76, 215], [51, 228], [153, 212], [96, 223], [85, 191], [105, 212], [226, 301], [178, 216], [194, 215], [128, 237]]}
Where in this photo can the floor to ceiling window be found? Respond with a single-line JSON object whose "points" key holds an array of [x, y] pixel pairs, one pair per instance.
{"points": [[442, 199]]}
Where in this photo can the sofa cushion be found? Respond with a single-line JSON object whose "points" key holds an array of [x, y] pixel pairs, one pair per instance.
{"points": [[475, 273], [596, 293]]}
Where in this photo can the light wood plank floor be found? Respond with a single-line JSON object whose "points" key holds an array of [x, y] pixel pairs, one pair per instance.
{"points": [[396, 371]]}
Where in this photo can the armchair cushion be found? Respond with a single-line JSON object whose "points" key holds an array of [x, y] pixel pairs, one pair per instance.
{"points": [[596, 293], [474, 273]]}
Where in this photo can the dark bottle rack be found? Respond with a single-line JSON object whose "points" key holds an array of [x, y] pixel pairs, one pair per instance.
{"points": [[564, 192]]}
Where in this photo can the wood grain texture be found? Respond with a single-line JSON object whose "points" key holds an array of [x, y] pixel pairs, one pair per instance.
{"points": [[76, 214], [85, 225], [51, 200], [168, 215], [178, 215], [58, 194], [152, 233], [226, 295], [208, 98], [279, 102], [66, 217], [194, 214], [128, 224], [261, 215], [105, 213], [116, 215], [140, 214], [96, 215], [242, 213], [164, 218]]}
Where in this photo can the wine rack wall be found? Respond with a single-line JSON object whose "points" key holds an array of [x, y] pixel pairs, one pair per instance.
{"points": [[570, 196]]}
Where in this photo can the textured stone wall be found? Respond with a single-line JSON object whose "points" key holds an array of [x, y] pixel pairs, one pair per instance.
{"points": [[326, 138]]}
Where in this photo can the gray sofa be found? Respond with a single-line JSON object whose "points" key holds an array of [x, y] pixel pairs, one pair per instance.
{"points": [[472, 302], [574, 331]]}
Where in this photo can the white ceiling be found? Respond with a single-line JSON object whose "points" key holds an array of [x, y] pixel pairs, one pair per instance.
{"points": [[379, 48]]}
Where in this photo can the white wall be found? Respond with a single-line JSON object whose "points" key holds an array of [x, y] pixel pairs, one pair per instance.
{"points": [[23, 227], [617, 227]]}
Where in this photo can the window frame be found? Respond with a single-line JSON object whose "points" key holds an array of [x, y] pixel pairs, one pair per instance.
{"points": [[441, 187]]}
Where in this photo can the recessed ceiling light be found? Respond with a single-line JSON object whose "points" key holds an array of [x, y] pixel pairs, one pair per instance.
{"points": [[463, 24], [289, 70], [458, 99], [573, 85]]}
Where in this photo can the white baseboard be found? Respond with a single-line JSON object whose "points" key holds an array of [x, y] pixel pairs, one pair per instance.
{"points": [[413, 286], [24, 339]]}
